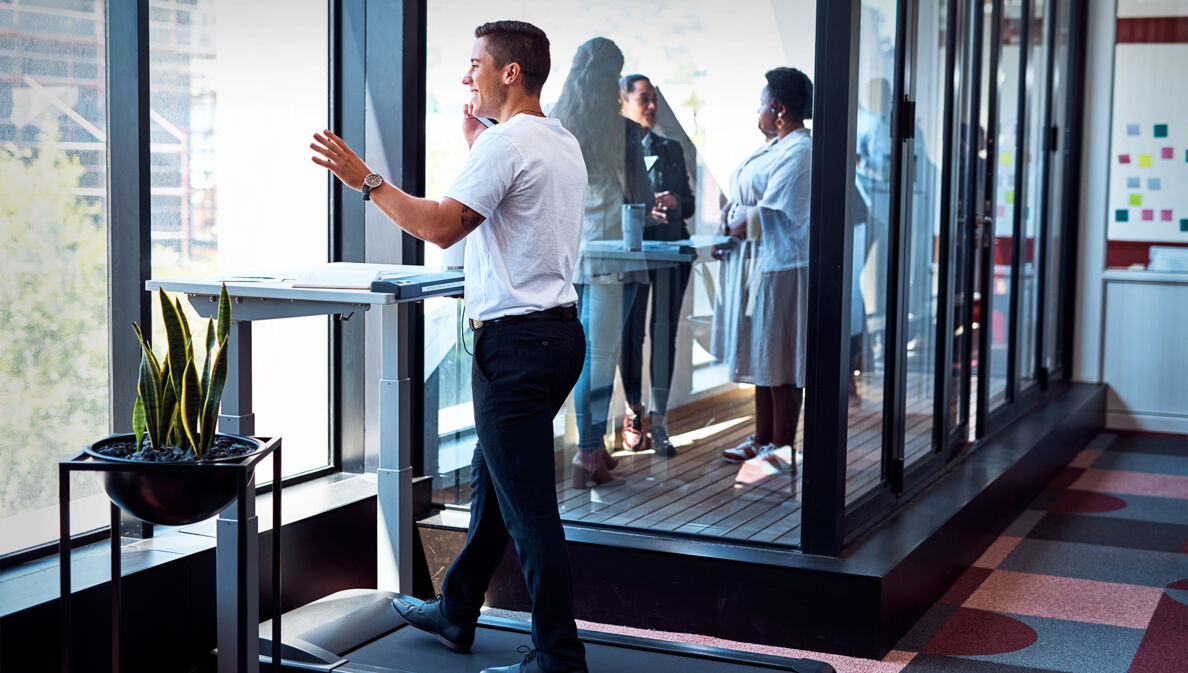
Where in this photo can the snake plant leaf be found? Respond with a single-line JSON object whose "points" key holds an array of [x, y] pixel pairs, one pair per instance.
{"points": [[210, 345], [191, 403], [138, 420], [214, 395], [224, 314], [185, 323], [145, 350], [176, 335], [168, 404], [147, 387]]}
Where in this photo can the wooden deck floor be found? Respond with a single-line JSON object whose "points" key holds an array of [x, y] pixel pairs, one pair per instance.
{"points": [[697, 492]]}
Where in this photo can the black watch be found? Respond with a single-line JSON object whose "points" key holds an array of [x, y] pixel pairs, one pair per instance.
{"points": [[370, 182]]}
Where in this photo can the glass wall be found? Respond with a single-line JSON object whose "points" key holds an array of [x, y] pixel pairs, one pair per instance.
{"points": [[680, 326], [1057, 173], [948, 226], [1035, 139], [871, 219], [53, 240], [928, 216], [997, 305], [230, 106]]}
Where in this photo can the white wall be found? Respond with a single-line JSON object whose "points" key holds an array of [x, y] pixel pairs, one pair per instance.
{"points": [[1130, 325]]}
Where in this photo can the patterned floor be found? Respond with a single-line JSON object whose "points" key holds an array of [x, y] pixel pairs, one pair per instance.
{"points": [[1091, 578]]}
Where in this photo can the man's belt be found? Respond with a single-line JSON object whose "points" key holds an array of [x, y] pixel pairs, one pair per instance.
{"points": [[558, 313]]}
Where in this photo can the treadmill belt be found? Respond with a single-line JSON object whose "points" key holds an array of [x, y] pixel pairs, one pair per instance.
{"points": [[407, 650]]}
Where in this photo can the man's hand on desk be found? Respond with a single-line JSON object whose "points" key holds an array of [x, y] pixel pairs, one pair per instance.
{"points": [[340, 159]]}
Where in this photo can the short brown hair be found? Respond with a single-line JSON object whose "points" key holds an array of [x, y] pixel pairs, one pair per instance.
{"points": [[519, 42]]}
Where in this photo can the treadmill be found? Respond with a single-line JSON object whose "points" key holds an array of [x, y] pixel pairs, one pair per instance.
{"points": [[358, 630]]}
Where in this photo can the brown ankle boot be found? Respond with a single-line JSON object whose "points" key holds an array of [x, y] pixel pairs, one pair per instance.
{"points": [[610, 461], [588, 466]]}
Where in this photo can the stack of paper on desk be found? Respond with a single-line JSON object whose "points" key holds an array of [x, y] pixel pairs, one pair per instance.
{"points": [[340, 275]]}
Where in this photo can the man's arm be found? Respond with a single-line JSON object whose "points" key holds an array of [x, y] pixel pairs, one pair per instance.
{"points": [[442, 223]]}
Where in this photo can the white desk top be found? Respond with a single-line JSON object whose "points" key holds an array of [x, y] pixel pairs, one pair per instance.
{"points": [[287, 284]]}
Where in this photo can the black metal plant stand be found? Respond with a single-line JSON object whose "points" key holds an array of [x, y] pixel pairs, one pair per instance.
{"points": [[236, 554]]}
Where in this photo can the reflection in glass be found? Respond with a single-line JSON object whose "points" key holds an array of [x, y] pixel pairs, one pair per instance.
{"points": [[1060, 64], [928, 73], [53, 240], [651, 381], [222, 95], [1035, 135], [871, 215], [998, 319]]}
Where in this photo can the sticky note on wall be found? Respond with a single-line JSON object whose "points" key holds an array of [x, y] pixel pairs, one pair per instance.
{"points": [[1136, 199], [1006, 158], [1148, 214], [1123, 158], [1145, 160], [1184, 224], [1122, 215], [1132, 129], [1010, 196], [1161, 130], [1165, 215], [1167, 153], [1154, 184]]}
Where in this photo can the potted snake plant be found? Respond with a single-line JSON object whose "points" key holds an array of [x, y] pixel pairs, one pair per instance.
{"points": [[173, 421]]}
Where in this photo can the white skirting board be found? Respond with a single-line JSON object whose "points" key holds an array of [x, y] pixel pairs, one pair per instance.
{"points": [[1124, 420]]}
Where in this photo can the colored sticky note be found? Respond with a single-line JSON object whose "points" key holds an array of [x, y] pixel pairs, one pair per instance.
{"points": [[1010, 196], [1000, 210], [1184, 224], [1133, 183], [1148, 214], [1006, 158], [1123, 158], [1160, 131], [1165, 215], [1136, 199], [1167, 153], [1132, 129], [1154, 184], [1144, 160], [1120, 215]]}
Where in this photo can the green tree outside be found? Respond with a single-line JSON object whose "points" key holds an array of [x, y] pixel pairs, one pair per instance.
{"points": [[53, 321]]}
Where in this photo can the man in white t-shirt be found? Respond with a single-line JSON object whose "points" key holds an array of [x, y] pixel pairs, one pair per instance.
{"points": [[520, 197]]}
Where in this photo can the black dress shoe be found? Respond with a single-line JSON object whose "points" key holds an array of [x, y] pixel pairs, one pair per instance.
{"points": [[530, 664], [427, 616], [661, 444]]}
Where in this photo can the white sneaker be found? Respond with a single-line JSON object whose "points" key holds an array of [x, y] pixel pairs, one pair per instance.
{"points": [[773, 460]]}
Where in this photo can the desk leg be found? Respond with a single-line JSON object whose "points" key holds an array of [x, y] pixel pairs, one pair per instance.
{"points": [[394, 516], [237, 576], [237, 417]]}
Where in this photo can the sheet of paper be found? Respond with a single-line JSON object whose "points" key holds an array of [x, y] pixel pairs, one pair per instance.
{"points": [[344, 276]]}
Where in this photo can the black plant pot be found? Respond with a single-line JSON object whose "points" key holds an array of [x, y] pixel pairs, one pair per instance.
{"points": [[171, 494]]}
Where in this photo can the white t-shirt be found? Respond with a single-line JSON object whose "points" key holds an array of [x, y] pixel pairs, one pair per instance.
{"points": [[526, 176]]}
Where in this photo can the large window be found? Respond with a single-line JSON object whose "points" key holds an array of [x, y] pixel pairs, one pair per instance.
{"points": [[233, 190], [53, 240]]}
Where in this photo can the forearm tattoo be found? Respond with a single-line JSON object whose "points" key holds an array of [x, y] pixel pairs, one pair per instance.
{"points": [[470, 219]]}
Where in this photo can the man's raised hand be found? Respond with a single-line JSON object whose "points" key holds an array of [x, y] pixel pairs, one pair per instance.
{"points": [[340, 159]]}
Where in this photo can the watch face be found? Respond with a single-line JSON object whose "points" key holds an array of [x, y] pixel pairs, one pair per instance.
{"points": [[373, 180]]}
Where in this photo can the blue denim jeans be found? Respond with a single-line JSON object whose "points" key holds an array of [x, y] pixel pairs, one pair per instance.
{"points": [[522, 375], [602, 309]]}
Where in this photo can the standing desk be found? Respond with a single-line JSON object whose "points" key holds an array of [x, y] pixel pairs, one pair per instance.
{"points": [[275, 297]]}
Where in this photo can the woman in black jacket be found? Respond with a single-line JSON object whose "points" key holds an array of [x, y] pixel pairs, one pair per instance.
{"points": [[665, 164]]}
